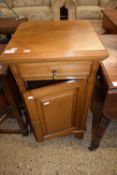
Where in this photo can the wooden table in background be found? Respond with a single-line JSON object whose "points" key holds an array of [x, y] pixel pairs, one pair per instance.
{"points": [[9, 25], [65, 56], [109, 22], [107, 109]]}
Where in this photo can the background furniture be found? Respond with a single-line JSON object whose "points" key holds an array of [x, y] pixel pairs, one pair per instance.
{"points": [[8, 26], [69, 6], [60, 106], [88, 9], [50, 9], [10, 100], [32, 9], [83, 9], [110, 21], [104, 104], [91, 9]]}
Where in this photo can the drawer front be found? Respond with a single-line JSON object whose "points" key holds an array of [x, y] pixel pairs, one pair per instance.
{"points": [[54, 70]]}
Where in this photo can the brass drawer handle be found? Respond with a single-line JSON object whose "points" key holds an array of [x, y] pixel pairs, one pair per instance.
{"points": [[54, 71]]}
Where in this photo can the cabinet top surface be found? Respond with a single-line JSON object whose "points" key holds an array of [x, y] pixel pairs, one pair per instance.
{"points": [[40, 41], [109, 66]]}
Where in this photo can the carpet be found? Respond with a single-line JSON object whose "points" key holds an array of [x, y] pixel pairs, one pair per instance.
{"points": [[20, 155]]}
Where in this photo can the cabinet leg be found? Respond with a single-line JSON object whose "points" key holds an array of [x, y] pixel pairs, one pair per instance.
{"points": [[99, 132], [79, 135]]}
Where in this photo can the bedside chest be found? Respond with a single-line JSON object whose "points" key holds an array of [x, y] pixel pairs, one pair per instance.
{"points": [[54, 64]]}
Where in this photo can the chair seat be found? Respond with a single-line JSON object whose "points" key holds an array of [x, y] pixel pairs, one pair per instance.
{"points": [[88, 12]]}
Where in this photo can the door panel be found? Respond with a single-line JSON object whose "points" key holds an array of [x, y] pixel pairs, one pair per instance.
{"points": [[53, 109], [58, 111]]}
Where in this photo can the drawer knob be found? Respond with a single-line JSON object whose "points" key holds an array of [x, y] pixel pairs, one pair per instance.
{"points": [[54, 74]]}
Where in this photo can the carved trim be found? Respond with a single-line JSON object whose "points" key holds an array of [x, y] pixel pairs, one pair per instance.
{"points": [[69, 4]]}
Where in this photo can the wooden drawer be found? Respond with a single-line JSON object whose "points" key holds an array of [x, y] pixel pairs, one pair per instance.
{"points": [[54, 70]]}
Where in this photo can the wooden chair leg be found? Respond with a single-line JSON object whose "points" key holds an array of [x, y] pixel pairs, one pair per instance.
{"points": [[100, 130], [14, 111]]}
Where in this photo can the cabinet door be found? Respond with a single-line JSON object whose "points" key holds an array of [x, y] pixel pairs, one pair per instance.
{"points": [[54, 109]]}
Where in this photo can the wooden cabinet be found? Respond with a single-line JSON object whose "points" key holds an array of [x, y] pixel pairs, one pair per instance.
{"points": [[67, 53], [54, 109]]}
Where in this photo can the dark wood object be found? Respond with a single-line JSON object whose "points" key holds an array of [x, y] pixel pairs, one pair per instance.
{"points": [[56, 50], [107, 104], [9, 25], [109, 22], [9, 100]]}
